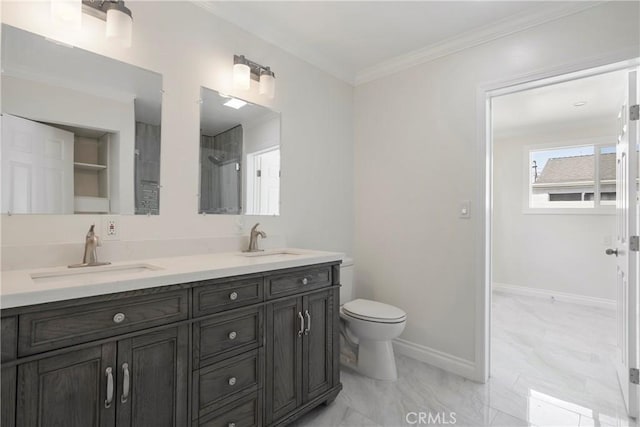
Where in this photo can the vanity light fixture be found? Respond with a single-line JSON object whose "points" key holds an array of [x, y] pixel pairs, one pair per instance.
{"points": [[119, 23], [235, 103], [244, 70], [117, 16], [241, 72], [267, 83], [67, 12]]}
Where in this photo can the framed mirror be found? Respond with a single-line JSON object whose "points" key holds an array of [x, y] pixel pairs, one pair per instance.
{"points": [[80, 131], [239, 156]]}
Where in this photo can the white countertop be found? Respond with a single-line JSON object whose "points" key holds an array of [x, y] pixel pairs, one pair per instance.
{"points": [[18, 288]]}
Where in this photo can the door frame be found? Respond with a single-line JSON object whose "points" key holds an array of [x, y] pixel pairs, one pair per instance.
{"points": [[615, 61]]}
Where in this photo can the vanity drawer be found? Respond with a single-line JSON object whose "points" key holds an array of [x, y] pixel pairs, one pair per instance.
{"points": [[9, 343], [213, 297], [50, 329], [224, 382], [244, 413], [298, 280], [227, 335]]}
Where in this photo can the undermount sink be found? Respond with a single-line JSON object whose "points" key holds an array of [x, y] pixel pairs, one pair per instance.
{"points": [[271, 252], [92, 272]]}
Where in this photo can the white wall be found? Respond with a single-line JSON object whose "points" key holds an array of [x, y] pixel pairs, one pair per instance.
{"points": [[42, 102], [192, 48], [557, 253], [416, 157], [261, 134]]}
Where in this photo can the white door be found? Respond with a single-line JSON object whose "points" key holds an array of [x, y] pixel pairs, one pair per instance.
{"points": [[263, 182], [627, 261], [37, 167], [270, 182]]}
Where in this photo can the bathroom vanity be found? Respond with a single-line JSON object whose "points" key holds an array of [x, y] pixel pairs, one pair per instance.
{"points": [[208, 340]]}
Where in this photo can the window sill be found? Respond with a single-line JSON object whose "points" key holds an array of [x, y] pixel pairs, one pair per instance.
{"points": [[570, 211]]}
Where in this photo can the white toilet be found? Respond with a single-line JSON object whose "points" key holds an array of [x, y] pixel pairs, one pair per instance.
{"points": [[367, 328]]}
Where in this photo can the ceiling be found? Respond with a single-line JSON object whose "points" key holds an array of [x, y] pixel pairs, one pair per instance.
{"points": [[546, 107], [349, 39], [33, 57], [215, 117]]}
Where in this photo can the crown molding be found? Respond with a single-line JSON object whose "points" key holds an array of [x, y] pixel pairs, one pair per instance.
{"points": [[502, 28]]}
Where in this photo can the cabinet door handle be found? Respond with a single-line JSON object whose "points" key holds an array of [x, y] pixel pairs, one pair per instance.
{"points": [[232, 335], [232, 381], [301, 331], [125, 383], [109, 373], [305, 281], [308, 316], [233, 296]]}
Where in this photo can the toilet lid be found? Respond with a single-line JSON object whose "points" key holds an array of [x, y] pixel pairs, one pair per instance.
{"points": [[374, 311]]}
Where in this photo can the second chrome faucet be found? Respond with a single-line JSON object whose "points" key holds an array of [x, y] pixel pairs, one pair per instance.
{"points": [[253, 238], [91, 243]]}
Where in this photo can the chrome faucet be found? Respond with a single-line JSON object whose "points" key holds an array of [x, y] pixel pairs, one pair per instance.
{"points": [[253, 238], [91, 243]]}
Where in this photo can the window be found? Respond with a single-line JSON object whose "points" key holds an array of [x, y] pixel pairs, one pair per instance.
{"points": [[580, 177]]}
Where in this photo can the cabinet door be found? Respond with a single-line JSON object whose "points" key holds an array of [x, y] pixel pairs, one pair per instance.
{"points": [[284, 358], [8, 397], [317, 345], [153, 379], [68, 390]]}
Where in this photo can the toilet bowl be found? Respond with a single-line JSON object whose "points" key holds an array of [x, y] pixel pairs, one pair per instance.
{"points": [[368, 328]]}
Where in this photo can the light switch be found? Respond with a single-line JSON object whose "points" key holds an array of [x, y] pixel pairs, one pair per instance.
{"points": [[465, 209]]}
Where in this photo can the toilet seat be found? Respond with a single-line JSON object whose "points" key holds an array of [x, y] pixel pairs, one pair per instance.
{"points": [[373, 311]]}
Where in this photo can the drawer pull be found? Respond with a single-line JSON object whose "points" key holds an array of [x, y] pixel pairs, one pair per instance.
{"points": [[308, 316], [233, 296], [125, 383], [118, 318], [301, 331], [231, 425], [305, 281], [109, 373], [232, 335], [232, 381]]}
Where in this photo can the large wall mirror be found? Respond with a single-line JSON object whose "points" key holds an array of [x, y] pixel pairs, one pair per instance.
{"points": [[80, 131], [239, 156]]}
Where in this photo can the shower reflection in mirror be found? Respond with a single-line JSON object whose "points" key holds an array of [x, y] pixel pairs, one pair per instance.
{"points": [[239, 157]]}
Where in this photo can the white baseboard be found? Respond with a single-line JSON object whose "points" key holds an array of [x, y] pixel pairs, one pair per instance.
{"points": [[437, 358], [558, 296]]}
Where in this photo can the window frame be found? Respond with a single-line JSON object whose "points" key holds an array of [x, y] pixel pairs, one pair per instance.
{"points": [[597, 209]]}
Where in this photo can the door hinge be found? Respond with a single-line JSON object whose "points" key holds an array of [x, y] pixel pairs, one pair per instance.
{"points": [[634, 376], [258, 173], [634, 112], [634, 243]]}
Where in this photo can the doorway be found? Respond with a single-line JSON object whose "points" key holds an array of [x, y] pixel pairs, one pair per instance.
{"points": [[553, 198], [263, 182]]}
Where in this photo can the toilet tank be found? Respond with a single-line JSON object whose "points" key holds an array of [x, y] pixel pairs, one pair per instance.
{"points": [[346, 280]]}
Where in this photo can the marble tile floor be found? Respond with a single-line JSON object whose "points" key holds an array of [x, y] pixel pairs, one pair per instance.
{"points": [[551, 366]]}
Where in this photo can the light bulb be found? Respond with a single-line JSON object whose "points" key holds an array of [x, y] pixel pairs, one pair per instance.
{"points": [[67, 12], [241, 76], [267, 83], [119, 24]]}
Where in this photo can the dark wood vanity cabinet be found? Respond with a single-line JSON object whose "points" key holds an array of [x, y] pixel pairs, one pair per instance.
{"points": [[300, 344], [140, 381], [254, 350]]}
